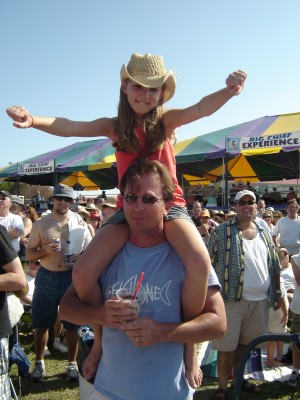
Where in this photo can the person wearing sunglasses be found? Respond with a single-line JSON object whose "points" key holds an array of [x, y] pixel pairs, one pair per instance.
{"points": [[268, 218], [48, 242], [153, 342], [276, 216], [287, 230], [247, 265]]}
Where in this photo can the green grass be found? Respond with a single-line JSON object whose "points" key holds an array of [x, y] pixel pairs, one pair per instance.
{"points": [[56, 387]]}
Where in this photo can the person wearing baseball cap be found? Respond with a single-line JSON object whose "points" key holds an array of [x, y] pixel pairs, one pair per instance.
{"points": [[247, 265], [5, 194], [13, 223], [57, 240], [18, 208]]}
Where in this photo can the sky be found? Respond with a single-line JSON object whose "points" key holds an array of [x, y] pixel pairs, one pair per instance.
{"points": [[63, 58]]}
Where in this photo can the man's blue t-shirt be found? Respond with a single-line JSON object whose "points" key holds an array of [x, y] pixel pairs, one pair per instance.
{"points": [[156, 372]]}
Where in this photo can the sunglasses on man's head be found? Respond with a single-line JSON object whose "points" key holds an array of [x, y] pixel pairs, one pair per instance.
{"points": [[146, 199], [243, 202], [61, 198]]}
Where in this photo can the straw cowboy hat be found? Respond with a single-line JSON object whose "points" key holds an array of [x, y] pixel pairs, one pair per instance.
{"points": [[110, 202], [149, 71], [92, 207], [82, 211]]}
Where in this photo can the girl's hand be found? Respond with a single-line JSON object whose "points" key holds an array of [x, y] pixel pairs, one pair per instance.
{"points": [[235, 82], [90, 364], [21, 116]]}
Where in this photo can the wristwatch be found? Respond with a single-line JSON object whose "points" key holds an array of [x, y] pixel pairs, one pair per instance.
{"points": [[279, 292]]}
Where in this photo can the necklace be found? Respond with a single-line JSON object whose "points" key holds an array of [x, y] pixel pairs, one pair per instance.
{"points": [[58, 228]]}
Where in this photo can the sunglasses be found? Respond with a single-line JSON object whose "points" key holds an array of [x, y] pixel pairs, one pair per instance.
{"points": [[243, 202], [275, 216], [267, 216], [61, 198], [3, 198], [147, 199]]}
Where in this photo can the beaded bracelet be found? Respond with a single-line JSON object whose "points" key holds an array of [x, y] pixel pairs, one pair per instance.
{"points": [[32, 121]]}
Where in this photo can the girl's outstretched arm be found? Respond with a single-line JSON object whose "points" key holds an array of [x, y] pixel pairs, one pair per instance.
{"points": [[108, 241], [61, 126], [207, 105]]}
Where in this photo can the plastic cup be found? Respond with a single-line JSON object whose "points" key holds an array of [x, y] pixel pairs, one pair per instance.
{"points": [[126, 294]]}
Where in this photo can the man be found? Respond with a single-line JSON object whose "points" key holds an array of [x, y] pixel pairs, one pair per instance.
{"points": [[13, 223], [146, 354], [244, 258], [195, 213], [18, 208], [12, 278], [48, 242], [261, 208], [37, 199], [287, 229]]}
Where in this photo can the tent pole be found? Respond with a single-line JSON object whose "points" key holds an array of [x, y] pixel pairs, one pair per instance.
{"points": [[226, 180], [55, 173], [18, 185]]}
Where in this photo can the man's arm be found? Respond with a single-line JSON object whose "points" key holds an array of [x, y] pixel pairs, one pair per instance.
{"points": [[211, 324], [110, 313], [34, 250], [14, 277]]}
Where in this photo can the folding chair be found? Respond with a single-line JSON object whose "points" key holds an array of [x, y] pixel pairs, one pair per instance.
{"points": [[282, 337], [18, 357]]}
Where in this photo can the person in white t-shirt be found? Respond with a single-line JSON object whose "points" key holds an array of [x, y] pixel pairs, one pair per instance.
{"points": [[288, 229], [244, 257], [13, 223]]}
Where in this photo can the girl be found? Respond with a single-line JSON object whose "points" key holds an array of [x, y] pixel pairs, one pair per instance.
{"points": [[143, 128]]}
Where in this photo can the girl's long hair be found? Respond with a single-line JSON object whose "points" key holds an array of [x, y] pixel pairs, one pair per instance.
{"points": [[126, 125]]}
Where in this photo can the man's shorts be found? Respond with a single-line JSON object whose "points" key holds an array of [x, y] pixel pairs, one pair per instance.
{"points": [[174, 212], [295, 328], [246, 320], [50, 287]]}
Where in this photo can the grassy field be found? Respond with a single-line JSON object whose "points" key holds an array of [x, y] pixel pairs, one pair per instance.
{"points": [[56, 387]]}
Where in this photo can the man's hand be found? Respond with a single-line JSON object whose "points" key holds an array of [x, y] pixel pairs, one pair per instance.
{"points": [[143, 331], [114, 313]]}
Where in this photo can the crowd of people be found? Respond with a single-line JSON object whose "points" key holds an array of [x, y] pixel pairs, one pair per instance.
{"points": [[76, 224], [189, 273]]}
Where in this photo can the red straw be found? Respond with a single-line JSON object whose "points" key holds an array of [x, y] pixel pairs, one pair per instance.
{"points": [[138, 286]]}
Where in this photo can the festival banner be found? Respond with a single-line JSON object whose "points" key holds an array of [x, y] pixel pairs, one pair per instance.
{"points": [[239, 144], [38, 168]]}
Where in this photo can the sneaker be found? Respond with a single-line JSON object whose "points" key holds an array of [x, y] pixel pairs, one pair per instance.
{"points": [[293, 379], [47, 352], [59, 346], [72, 373], [38, 372]]}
